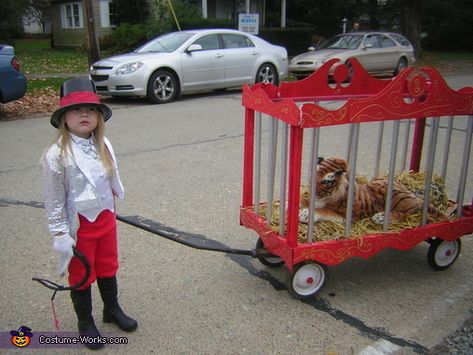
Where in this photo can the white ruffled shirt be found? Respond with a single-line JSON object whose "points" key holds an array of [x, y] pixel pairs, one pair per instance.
{"points": [[89, 155]]}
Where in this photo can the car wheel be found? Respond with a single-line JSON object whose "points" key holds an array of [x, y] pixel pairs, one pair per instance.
{"points": [[163, 87], [401, 65], [267, 73]]}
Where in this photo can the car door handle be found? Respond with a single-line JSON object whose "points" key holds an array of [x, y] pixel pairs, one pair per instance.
{"points": [[254, 53], [219, 55]]}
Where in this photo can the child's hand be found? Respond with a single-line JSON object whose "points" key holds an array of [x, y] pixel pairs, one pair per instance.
{"points": [[63, 245]]}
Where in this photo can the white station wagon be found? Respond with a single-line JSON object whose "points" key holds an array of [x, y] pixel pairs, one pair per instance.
{"points": [[377, 52]]}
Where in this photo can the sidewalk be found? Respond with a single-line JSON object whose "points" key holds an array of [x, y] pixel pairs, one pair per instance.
{"points": [[56, 75]]}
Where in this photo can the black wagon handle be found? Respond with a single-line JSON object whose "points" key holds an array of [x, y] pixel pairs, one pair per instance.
{"points": [[56, 287]]}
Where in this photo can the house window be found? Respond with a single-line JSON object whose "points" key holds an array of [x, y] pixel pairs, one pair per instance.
{"points": [[71, 15], [107, 14]]}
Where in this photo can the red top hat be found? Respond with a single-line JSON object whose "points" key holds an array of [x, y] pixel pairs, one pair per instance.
{"points": [[79, 92]]}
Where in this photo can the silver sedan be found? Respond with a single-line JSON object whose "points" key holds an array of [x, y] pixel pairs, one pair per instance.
{"points": [[378, 52], [180, 62]]}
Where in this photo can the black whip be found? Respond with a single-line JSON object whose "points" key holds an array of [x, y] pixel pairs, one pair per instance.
{"points": [[56, 287]]}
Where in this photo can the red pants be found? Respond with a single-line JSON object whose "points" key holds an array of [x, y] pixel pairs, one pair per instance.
{"points": [[98, 242]]}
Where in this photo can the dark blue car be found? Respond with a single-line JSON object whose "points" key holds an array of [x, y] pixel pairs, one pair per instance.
{"points": [[12, 81]]}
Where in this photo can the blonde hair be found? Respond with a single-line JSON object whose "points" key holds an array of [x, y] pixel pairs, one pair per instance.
{"points": [[64, 139]]}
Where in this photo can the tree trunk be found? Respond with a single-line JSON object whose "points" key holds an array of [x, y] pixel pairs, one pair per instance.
{"points": [[93, 42], [374, 14], [411, 23]]}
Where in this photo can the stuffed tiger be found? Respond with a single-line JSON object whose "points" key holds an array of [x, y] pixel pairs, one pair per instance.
{"points": [[369, 199]]}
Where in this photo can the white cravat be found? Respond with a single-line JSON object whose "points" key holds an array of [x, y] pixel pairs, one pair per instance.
{"points": [[89, 155]]}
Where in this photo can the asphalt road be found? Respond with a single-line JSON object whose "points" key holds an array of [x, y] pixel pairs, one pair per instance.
{"points": [[181, 165]]}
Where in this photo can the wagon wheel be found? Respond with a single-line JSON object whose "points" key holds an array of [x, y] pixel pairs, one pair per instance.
{"points": [[268, 259], [306, 280], [443, 253]]}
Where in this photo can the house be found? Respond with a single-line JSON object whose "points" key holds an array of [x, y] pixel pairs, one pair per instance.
{"points": [[34, 22], [68, 21], [68, 18], [34, 26], [230, 9]]}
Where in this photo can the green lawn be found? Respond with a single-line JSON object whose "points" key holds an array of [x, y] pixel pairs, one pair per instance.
{"points": [[39, 84], [37, 57], [441, 59]]}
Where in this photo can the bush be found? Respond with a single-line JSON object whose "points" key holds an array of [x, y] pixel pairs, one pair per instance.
{"points": [[447, 25], [295, 40], [193, 23], [125, 38], [8, 31]]}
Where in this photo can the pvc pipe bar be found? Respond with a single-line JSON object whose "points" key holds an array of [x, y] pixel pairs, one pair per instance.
{"points": [[379, 148], [405, 144], [350, 140], [429, 167], [353, 150], [257, 178], [313, 181], [282, 187], [446, 150], [392, 170], [464, 168]]}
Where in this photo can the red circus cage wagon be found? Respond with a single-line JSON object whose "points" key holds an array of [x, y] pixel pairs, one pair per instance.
{"points": [[370, 122]]}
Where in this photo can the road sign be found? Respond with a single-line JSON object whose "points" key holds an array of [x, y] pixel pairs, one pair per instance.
{"points": [[248, 23]]}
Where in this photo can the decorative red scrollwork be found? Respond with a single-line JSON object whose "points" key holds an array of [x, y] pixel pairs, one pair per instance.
{"points": [[411, 94], [417, 85]]}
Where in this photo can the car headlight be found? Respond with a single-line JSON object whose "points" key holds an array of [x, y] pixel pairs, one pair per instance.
{"points": [[129, 68]]}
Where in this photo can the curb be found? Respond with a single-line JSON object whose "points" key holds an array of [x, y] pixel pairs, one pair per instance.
{"points": [[56, 75]]}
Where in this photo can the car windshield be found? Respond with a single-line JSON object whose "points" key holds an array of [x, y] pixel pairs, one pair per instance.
{"points": [[343, 42], [166, 43]]}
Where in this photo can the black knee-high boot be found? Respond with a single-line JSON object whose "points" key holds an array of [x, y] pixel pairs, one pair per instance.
{"points": [[82, 301], [112, 311]]}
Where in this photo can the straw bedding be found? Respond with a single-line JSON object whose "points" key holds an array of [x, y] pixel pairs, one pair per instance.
{"points": [[327, 230]]}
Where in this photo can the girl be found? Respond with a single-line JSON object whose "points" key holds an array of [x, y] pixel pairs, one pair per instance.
{"points": [[80, 182]]}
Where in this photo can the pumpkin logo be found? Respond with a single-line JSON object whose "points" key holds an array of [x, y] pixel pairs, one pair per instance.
{"points": [[21, 337]]}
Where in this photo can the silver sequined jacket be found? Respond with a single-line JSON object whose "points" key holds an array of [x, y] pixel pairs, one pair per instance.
{"points": [[68, 188]]}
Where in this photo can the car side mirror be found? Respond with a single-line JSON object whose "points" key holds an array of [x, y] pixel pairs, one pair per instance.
{"points": [[368, 45], [194, 48], [311, 48]]}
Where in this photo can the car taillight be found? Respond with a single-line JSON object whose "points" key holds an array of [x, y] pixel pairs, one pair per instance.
{"points": [[15, 64]]}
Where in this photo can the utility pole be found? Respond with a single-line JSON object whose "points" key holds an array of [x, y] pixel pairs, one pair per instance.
{"points": [[283, 13], [93, 48]]}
